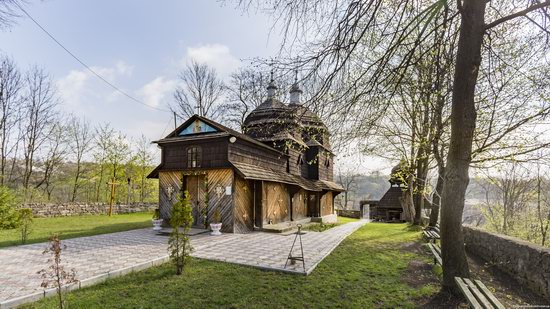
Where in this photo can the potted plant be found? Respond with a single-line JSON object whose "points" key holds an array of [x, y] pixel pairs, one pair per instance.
{"points": [[216, 225], [157, 221]]}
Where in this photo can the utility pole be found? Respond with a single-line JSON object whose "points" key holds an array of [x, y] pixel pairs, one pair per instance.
{"points": [[175, 122], [113, 192], [129, 188]]}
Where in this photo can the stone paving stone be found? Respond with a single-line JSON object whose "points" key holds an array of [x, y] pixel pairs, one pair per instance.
{"points": [[98, 255]]}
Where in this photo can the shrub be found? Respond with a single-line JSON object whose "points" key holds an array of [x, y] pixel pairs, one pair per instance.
{"points": [[217, 216], [25, 222], [8, 209], [156, 214], [179, 244]]}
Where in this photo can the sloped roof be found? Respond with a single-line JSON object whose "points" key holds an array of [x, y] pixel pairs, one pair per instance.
{"points": [[173, 136], [392, 198], [249, 171], [255, 172]]}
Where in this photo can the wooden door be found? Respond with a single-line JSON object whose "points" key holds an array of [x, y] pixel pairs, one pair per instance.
{"points": [[197, 193], [312, 205]]}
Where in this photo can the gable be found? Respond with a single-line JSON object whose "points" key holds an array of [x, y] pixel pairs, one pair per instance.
{"points": [[197, 127]]}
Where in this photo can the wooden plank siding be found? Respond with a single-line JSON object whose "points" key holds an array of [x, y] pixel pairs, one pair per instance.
{"points": [[243, 199], [275, 202], [213, 154], [218, 180], [196, 187], [327, 204], [167, 179], [299, 205], [248, 153]]}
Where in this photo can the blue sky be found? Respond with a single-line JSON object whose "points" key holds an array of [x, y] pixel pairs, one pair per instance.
{"points": [[140, 46]]}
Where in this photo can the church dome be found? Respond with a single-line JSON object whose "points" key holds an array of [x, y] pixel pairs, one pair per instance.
{"points": [[273, 120]]}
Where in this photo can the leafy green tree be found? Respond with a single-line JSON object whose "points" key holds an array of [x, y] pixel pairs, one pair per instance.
{"points": [[8, 211], [179, 244]]}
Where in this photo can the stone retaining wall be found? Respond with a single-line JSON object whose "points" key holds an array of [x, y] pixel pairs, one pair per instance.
{"points": [[349, 213], [77, 209], [527, 262]]}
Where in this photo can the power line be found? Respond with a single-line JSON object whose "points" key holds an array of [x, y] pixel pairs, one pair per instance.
{"points": [[85, 65]]}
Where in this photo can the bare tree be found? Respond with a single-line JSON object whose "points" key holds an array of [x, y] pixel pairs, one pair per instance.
{"points": [[11, 84], [102, 143], [348, 180], [506, 196], [82, 137], [9, 12], [543, 207], [57, 149], [200, 92], [245, 91], [143, 160], [39, 113]]}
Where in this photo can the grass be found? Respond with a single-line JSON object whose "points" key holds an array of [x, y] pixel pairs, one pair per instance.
{"points": [[365, 271], [321, 227], [76, 226]]}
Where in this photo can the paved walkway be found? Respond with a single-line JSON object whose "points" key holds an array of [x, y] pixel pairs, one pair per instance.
{"points": [[96, 258]]}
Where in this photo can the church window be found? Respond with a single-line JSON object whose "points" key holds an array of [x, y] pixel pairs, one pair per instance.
{"points": [[194, 155]]}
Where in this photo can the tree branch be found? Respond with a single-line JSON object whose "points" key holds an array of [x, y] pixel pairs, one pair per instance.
{"points": [[518, 14]]}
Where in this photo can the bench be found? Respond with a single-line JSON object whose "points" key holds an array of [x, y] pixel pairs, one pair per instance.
{"points": [[477, 294], [431, 234], [436, 251]]}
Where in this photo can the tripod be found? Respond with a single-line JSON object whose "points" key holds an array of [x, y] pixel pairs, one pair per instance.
{"points": [[293, 259]]}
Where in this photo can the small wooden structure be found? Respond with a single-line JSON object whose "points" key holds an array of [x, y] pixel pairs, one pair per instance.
{"points": [[278, 170], [389, 208]]}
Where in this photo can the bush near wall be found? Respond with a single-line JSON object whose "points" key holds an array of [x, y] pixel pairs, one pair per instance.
{"points": [[78, 209], [349, 213], [526, 262]]}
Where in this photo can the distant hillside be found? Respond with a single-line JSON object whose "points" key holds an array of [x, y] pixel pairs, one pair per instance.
{"points": [[373, 187]]}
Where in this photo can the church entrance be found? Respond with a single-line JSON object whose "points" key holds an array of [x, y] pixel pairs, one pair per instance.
{"points": [[197, 192]]}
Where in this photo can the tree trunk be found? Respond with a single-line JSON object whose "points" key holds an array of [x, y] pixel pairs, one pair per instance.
{"points": [[436, 199], [463, 122], [420, 185]]}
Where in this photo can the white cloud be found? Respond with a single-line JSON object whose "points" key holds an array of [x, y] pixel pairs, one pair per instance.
{"points": [[217, 56], [157, 90], [72, 86], [83, 83]]}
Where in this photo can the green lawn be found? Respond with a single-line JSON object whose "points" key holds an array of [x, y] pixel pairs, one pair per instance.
{"points": [[321, 227], [77, 226], [365, 271]]}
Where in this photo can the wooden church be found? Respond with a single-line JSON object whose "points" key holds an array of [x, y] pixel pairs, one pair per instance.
{"points": [[279, 170]]}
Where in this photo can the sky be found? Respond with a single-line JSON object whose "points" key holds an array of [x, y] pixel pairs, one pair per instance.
{"points": [[139, 46]]}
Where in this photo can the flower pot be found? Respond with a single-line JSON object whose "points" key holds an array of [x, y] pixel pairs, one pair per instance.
{"points": [[157, 224], [215, 227]]}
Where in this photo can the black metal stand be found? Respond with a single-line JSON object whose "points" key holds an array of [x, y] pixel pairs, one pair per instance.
{"points": [[293, 259]]}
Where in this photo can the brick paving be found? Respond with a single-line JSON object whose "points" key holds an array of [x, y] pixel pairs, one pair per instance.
{"points": [[104, 254]]}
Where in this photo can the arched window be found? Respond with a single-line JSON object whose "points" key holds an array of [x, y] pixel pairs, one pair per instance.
{"points": [[194, 155]]}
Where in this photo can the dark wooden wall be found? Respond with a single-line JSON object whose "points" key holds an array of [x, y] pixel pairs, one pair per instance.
{"points": [[214, 154], [244, 152], [325, 172]]}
